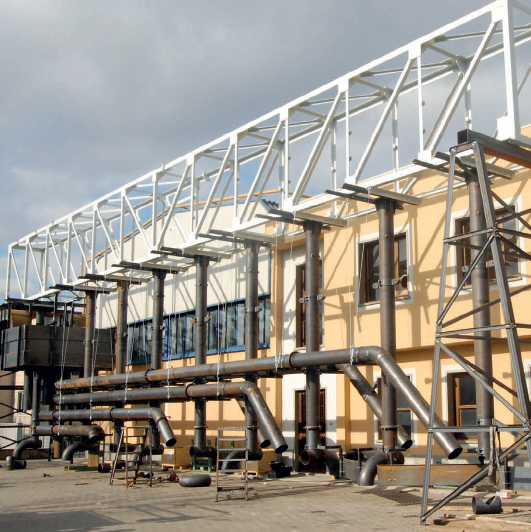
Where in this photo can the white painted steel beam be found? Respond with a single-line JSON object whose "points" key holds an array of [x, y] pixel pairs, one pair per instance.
{"points": [[309, 145]]}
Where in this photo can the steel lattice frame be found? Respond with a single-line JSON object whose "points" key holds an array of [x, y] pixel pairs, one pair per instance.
{"points": [[448, 329], [291, 156]]}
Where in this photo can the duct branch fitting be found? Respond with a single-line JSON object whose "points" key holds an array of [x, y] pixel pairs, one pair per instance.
{"points": [[92, 433], [389, 367], [374, 402], [111, 414], [220, 391]]}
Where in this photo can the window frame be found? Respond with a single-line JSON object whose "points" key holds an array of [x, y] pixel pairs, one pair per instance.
{"points": [[406, 298], [300, 307], [412, 374], [456, 275], [463, 255]]}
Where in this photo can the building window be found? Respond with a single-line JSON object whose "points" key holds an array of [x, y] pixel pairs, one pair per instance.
{"points": [[461, 401], [300, 315], [404, 413], [370, 269], [225, 329], [504, 221], [139, 342]]}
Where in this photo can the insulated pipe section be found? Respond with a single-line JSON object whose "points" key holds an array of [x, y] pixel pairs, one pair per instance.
{"points": [[368, 394], [112, 414], [415, 401], [92, 433], [158, 321], [90, 320]]}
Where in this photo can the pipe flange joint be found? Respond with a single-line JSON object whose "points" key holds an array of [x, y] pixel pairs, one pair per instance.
{"points": [[312, 427], [200, 427], [186, 386], [290, 356], [389, 427]]}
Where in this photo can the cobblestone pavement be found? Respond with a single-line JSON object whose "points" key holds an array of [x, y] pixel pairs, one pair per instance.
{"points": [[46, 497]]}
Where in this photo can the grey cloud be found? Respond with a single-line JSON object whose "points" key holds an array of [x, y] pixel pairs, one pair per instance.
{"points": [[97, 93]]}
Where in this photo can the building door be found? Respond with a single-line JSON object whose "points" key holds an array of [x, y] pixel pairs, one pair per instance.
{"points": [[300, 423]]}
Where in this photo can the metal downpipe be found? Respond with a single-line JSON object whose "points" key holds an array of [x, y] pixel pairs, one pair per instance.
{"points": [[368, 394]]}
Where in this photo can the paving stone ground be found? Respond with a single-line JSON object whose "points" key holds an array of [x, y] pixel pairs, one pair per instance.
{"points": [[82, 501]]}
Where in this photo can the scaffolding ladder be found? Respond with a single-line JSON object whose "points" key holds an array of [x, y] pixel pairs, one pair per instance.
{"points": [[131, 474], [232, 450]]}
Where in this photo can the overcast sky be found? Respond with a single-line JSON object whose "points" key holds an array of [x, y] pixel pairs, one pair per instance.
{"points": [[98, 92]]}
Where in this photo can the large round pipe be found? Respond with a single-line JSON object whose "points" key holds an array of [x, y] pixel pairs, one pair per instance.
{"points": [[28, 443], [200, 336], [111, 414], [480, 298], [121, 327], [251, 337], [412, 396], [297, 361], [219, 391], [158, 318], [386, 246], [368, 394], [312, 232], [90, 320], [73, 448], [92, 433]]}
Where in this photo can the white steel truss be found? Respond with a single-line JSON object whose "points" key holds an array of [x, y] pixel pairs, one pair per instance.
{"points": [[371, 122]]}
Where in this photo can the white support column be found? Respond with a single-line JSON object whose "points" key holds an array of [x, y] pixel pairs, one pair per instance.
{"points": [[509, 125]]}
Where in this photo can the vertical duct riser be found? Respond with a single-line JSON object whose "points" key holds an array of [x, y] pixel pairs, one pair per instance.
{"points": [[251, 338], [386, 245], [312, 232], [158, 312], [201, 264], [121, 327], [480, 296], [90, 319]]}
